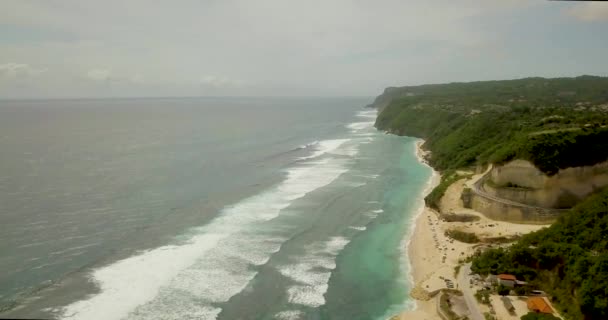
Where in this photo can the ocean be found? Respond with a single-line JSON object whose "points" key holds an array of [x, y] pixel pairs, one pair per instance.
{"points": [[204, 208]]}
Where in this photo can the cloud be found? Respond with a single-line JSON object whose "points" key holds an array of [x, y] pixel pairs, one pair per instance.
{"points": [[219, 82], [17, 70], [267, 47], [136, 78], [99, 74], [589, 12], [107, 75]]}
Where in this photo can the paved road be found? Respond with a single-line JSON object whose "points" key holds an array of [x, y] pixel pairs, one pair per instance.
{"points": [[463, 284], [477, 188]]}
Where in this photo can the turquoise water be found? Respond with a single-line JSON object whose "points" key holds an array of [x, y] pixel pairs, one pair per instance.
{"points": [[204, 208], [376, 261]]}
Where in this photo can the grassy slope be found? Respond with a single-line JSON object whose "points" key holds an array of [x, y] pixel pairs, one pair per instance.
{"points": [[554, 123], [569, 260], [546, 121]]}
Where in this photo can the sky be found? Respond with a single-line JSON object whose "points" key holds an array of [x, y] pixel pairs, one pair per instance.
{"points": [[150, 48]]}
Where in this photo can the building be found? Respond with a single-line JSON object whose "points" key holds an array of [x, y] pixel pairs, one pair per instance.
{"points": [[538, 304], [507, 280], [491, 280]]}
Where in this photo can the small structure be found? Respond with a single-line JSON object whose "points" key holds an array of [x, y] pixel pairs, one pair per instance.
{"points": [[508, 304], [538, 293], [538, 304], [491, 280], [507, 280]]}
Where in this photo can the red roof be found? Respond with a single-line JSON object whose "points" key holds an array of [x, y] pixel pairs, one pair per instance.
{"points": [[538, 304], [507, 277]]}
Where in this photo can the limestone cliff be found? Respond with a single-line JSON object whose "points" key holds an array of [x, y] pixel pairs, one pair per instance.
{"points": [[521, 181], [389, 94]]}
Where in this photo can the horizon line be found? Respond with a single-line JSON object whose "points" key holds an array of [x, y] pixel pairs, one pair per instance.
{"points": [[181, 97]]}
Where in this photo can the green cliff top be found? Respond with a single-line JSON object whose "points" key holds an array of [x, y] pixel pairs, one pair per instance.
{"points": [[554, 123]]}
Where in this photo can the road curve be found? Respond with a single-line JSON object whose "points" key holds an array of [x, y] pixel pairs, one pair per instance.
{"points": [[477, 188]]}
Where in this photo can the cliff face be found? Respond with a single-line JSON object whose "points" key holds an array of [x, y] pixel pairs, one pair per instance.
{"points": [[560, 141], [389, 94], [521, 181]]}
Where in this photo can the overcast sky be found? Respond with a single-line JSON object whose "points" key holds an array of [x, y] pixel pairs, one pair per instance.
{"points": [[115, 48]]}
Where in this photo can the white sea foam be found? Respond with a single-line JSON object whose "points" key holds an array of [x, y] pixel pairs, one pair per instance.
{"points": [[374, 213], [212, 266], [324, 147], [304, 146], [136, 280], [356, 126], [406, 241], [359, 126], [358, 228], [289, 315], [367, 114], [312, 272], [348, 151], [368, 176], [355, 184]]}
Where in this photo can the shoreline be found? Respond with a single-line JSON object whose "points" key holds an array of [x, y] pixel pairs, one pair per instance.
{"points": [[433, 181], [432, 256], [422, 309]]}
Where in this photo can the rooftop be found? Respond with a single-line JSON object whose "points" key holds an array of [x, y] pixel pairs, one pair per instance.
{"points": [[538, 304], [507, 277]]}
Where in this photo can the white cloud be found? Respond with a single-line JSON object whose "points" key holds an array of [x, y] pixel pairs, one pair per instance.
{"points": [[219, 82], [99, 74], [15, 70], [107, 75], [590, 11], [137, 78], [263, 47]]}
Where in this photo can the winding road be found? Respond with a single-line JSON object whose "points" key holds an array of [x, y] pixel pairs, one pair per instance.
{"points": [[477, 188]]}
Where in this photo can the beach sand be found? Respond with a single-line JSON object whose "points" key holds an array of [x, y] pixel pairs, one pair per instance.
{"points": [[434, 257]]}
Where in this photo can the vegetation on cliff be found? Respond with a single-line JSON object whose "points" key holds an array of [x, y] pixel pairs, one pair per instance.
{"points": [[434, 197], [554, 123], [569, 260]]}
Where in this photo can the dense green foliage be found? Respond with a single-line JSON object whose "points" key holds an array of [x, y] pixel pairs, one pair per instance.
{"points": [[555, 150], [461, 217], [569, 260], [434, 197], [483, 296], [462, 236], [554, 123], [538, 316]]}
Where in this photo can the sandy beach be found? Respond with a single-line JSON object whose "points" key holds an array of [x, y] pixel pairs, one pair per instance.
{"points": [[434, 257]]}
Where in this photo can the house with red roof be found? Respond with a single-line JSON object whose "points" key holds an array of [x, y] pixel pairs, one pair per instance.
{"points": [[507, 280]]}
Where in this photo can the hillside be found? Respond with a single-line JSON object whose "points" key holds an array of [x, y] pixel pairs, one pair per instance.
{"points": [[569, 260], [554, 123]]}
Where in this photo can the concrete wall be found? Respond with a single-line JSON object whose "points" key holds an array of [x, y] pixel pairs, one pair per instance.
{"points": [[562, 190], [510, 212]]}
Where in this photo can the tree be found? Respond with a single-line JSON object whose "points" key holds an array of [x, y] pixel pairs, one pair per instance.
{"points": [[521, 291], [538, 316], [502, 290]]}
